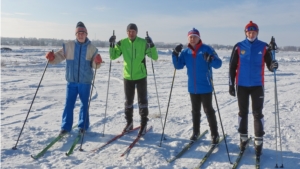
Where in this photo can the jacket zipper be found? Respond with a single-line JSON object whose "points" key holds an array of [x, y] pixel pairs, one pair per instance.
{"points": [[131, 62], [79, 62], [194, 68]]}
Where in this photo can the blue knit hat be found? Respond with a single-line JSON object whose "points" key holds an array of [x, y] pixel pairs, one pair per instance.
{"points": [[194, 32]]}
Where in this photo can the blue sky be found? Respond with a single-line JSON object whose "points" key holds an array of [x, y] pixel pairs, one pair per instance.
{"points": [[219, 21]]}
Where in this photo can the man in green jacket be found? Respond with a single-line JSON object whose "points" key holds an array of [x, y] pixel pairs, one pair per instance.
{"points": [[134, 49]]}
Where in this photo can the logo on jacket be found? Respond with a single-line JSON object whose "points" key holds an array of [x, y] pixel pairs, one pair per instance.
{"points": [[259, 53], [243, 52]]}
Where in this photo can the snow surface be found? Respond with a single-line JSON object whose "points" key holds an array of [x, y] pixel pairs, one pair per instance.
{"points": [[21, 71]]}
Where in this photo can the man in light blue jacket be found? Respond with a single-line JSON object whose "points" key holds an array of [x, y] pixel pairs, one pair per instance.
{"points": [[81, 57]]}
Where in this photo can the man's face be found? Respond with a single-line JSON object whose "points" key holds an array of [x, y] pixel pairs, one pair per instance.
{"points": [[251, 34], [81, 36], [193, 40], [131, 34]]}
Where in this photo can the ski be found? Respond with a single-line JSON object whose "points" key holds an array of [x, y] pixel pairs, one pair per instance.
{"points": [[186, 147], [113, 139], [257, 162], [56, 139], [71, 150], [40, 154], [209, 152], [134, 142], [239, 157]]}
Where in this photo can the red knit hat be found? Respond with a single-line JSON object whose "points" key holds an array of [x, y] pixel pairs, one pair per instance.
{"points": [[251, 27], [194, 32]]}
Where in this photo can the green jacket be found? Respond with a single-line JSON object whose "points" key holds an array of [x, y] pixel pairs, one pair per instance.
{"points": [[134, 57]]}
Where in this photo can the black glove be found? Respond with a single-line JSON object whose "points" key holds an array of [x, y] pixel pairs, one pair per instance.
{"points": [[112, 40], [207, 57], [177, 49], [149, 41], [274, 65], [231, 90]]}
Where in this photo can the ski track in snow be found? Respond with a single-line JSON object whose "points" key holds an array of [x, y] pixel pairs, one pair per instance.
{"points": [[21, 72]]}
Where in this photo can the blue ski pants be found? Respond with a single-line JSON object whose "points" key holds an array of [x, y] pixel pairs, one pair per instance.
{"points": [[73, 90]]}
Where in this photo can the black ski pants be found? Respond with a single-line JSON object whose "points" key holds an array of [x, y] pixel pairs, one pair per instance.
{"points": [[206, 101], [257, 98], [129, 89]]}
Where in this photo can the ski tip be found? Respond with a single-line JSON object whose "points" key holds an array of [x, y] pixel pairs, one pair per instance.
{"points": [[33, 157], [67, 154]]}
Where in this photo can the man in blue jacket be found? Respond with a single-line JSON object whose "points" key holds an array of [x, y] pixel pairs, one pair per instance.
{"points": [[199, 60], [81, 57], [246, 70]]}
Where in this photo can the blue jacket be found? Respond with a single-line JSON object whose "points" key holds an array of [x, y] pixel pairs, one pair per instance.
{"points": [[247, 63], [79, 60], [198, 70]]}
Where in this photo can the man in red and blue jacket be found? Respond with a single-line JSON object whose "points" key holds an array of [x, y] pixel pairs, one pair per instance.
{"points": [[246, 70], [199, 60]]}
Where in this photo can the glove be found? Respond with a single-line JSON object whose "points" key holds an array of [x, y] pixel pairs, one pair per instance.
{"points": [[274, 65], [98, 59], [112, 40], [50, 56], [149, 41], [207, 57], [231, 90], [177, 49]]}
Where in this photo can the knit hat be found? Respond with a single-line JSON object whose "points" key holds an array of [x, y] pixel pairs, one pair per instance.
{"points": [[194, 32], [251, 27], [132, 26], [80, 28]]}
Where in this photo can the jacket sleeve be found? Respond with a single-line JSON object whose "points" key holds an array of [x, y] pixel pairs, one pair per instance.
{"points": [[116, 51], [178, 61], [216, 62], [59, 56], [152, 53], [233, 64], [268, 58]]}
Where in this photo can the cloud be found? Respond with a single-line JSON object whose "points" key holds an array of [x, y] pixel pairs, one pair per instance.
{"points": [[221, 25], [16, 27], [23, 14]]}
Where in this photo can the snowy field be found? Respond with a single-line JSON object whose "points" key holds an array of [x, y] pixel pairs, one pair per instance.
{"points": [[21, 71]]}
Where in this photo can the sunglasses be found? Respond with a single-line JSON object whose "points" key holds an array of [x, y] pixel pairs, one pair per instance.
{"points": [[251, 28]]}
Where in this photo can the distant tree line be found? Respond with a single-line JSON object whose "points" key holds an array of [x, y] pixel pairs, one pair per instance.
{"points": [[6, 41]]}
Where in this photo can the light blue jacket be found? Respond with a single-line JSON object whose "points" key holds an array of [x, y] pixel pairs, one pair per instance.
{"points": [[79, 61]]}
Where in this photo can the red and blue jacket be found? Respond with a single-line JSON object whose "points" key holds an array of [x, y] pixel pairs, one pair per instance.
{"points": [[198, 70], [247, 63]]}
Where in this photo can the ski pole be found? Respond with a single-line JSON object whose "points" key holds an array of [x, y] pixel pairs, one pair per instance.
{"points": [[107, 88], [162, 134], [273, 47], [15, 147], [87, 113], [212, 84], [155, 83]]}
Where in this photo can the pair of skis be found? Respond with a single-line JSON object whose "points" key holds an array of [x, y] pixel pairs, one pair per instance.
{"points": [[240, 155], [188, 146], [55, 140], [119, 136]]}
